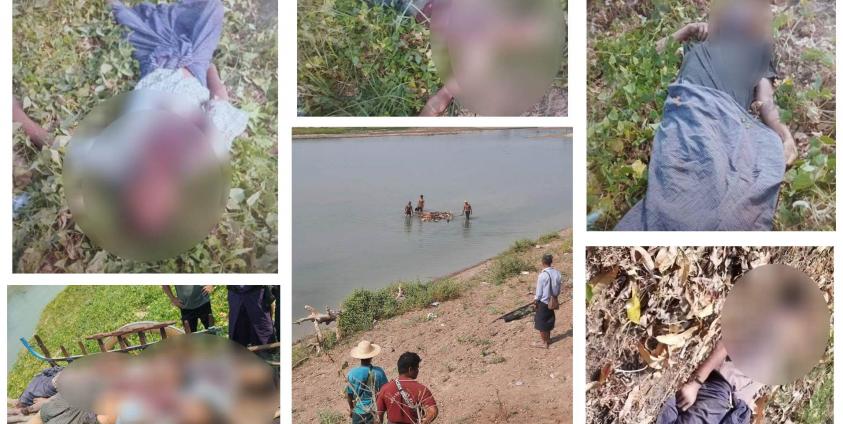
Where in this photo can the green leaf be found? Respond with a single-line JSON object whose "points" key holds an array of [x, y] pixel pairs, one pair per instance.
{"points": [[802, 181]]}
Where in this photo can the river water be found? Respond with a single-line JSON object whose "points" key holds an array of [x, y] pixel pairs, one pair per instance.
{"points": [[24, 307], [349, 230]]}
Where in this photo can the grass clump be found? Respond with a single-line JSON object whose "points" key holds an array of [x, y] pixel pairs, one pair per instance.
{"points": [[547, 238], [363, 307], [57, 90], [507, 266], [521, 246], [820, 406], [332, 417], [356, 59], [80, 311]]}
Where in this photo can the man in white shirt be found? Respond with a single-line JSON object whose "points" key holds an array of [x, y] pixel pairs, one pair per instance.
{"points": [[548, 284]]}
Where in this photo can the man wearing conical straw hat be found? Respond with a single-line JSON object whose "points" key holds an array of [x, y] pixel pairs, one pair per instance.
{"points": [[364, 382]]}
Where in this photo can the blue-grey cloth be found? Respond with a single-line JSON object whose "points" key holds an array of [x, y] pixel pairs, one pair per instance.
{"points": [[405, 7], [41, 386], [173, 36], [549, 282], [715, 404], [713, 167]]}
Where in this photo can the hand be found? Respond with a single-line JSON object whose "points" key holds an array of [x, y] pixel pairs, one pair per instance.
{"points": [[176, 302], [687, 395], [696, 30], [790, 151], [207, 289]]}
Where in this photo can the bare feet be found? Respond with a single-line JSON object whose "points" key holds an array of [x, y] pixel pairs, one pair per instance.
{"points": [[540, 345]]}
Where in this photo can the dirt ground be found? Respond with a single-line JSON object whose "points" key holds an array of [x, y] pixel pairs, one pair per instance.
{"points": [[631, 373], [478, 372]]}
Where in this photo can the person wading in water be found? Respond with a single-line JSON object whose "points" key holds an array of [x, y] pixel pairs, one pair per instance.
{"points": [[408, 210], [466, 209]]}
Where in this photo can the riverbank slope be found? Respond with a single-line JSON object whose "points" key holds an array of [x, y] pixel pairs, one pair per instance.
{"points": [[478, 370]]}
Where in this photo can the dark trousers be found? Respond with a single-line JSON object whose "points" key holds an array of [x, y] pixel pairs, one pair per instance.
{"points": [[193, 316], [362, 419]]}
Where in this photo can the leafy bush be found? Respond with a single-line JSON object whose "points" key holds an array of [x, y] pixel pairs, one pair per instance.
{"points": [[506, 266], [547, 238], [522, 245], [363, 307]]}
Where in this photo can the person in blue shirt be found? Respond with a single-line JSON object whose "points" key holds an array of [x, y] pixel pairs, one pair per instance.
{"points": [[364, 383], [548, 284]]}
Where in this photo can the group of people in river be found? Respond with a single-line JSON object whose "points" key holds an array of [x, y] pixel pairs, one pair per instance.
{"points": [[250, 324], [409, 210]]}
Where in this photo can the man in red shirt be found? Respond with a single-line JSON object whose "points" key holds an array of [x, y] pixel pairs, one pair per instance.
{"points": [[404, 400]]}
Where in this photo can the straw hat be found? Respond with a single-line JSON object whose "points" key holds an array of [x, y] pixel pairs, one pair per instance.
{"points": [[365, 350]]}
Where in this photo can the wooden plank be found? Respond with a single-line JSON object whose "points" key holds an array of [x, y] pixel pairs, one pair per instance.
{"points": [[82, 348], [122, 341], [151, 327], [275, 345], [63, 351], [142, 338], [44, 350], [163, 333], [101, 345]]}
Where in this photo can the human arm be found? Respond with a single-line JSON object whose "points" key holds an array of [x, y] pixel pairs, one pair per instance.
{"points": [[687, 394], [430, 413], [207, 289], [173, 299], [769, 113], [350, 398], [695, 30], [39, 136]]}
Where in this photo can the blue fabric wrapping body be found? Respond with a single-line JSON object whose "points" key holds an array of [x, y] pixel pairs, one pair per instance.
{"points": [[713, 167], [173, 36], [715, 404]]}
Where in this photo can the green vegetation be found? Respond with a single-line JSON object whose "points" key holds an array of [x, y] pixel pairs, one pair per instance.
{"points": [[57, 90], [363, 307], [361, 60], [627, 85], [332, 417], [80, 311], [820, 406], [521, 246], [356, 59], [507, 266]]}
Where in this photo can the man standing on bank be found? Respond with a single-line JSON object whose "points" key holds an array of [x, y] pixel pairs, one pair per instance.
{"points": [[194, 302], [364, 382], [405, 400], [548, 288]]}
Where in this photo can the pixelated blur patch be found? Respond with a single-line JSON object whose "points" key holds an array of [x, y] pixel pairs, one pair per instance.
{"points": [[190, 379], [497, 57], [775, 324], [144, 176]]}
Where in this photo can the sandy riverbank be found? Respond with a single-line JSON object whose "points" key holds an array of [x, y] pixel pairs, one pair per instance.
{"points": [[478, 371]]}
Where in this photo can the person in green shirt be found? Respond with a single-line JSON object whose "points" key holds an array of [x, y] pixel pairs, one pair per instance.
{"points": [[194, 302]]}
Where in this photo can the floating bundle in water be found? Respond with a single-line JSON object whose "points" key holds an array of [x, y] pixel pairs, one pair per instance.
{"points": [[436, 216]]}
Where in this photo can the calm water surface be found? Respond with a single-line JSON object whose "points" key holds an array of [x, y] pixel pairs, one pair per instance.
{"points": [[349, 230], [24, 307]]}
